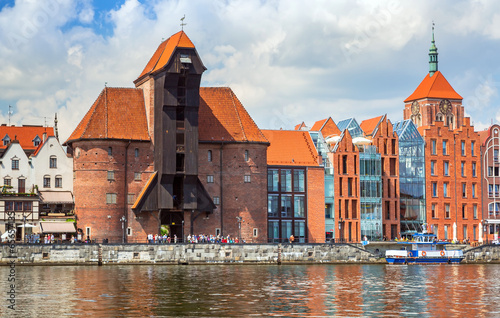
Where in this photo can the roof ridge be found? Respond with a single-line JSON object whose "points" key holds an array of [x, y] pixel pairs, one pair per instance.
{"points": [[238, 114]]}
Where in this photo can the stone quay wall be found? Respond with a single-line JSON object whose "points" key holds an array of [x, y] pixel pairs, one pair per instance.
{"points": [[93, 254]]}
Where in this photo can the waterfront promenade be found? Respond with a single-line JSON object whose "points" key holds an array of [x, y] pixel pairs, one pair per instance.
{"points": [[186, 253]]}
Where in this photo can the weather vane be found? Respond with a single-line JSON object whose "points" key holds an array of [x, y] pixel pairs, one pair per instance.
{"points": [[182, 22]]}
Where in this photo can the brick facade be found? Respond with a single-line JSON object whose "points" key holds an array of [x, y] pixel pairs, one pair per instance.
{"points": [[315, 204]]}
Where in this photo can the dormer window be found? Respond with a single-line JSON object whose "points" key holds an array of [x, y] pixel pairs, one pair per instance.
{"points": [[37, 141], [6, 140]]}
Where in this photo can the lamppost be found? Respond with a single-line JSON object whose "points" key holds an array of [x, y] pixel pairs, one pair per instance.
{"points": [[24, 228], [240, 219], [341, 232], [123, 220], [485, 229], [182, 231]]}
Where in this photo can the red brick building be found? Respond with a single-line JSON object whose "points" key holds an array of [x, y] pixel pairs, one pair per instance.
{"points": [[490, 175], [169, 154], [295, 188]]}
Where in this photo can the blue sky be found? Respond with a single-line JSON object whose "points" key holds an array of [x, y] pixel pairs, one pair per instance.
{"points": [[287, 60]]}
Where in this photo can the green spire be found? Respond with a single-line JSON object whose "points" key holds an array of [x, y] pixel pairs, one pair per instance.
{"points": [[433, 55]]}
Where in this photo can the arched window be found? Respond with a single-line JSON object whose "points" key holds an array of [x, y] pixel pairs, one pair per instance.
{"points": [[58, 181], [210, 155], [439, 117], [46, 181], [53, 162]]}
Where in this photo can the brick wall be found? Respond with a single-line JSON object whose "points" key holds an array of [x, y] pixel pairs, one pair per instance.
{"points": [[316, 204]]}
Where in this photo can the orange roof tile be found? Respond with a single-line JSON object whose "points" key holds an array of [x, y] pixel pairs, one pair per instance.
{"points": [[369, 125], [435, 86], [222, 117], [25, 135], [330, 128], [318, 125], [300, 126], [118, 113], [162, 55], [290, 148]]}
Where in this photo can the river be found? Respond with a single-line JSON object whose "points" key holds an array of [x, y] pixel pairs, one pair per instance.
{"points": [[253, 290]]}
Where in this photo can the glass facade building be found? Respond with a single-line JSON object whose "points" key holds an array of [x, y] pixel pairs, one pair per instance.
{"points": [[411, 177], [352, 126], [370, 179]]}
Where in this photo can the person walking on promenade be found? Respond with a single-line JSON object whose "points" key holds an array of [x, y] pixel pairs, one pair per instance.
{"points": [[291, 239]]}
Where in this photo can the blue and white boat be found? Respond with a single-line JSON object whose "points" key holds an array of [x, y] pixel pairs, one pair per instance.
{"points": [[423, 249]]}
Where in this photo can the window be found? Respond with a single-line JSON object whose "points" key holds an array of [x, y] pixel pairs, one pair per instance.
{"points": [[447, 211], [88, 231], [130, 198], [473, 190], [216, 200], [474, 211], [209, 156], [462, 168], [272, 205], [495, 155], [46, 182], [210, 179], [21, 185], [110, 151], [15, 164], [434, 214], [36, 141], [328, 211], [464, 211], [434, 189], [137, 176], [433, 146], [6, 140], [58, 182], [136, 152], [7, 182], [286, 180], [433, 168], [445, 189], [465, 232], [446, 168], [53, 162], [299, 206], [272, 180], [111, 175], [298, 180], [446, 232], [247, 178], [472, 143], [490, 190], [286, 206], [255, 232], [464, 190], [474, 169], [445, 147], [111, 198], [129, 231], [246, 155], [463, 148]]}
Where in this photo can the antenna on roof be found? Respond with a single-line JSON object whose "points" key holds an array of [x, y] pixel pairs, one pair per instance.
{"points": [[182, 22], [55, 126], [10, 113]]}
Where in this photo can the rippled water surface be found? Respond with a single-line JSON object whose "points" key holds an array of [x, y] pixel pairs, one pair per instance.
{"points": [[254, 290]]}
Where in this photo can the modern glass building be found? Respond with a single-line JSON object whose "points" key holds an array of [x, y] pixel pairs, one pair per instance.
{"points": [[370, 179], [352, 126], [411, 177]]}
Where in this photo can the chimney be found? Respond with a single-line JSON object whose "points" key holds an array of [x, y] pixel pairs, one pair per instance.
{"points": [[44, 136]]}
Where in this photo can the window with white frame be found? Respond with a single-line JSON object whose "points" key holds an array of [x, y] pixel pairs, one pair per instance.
{"points": [[15, 164], [111, 198], [210, 179], [137, 176], [46, 181], [111, 175], [216, 200], [58, 182], [247, 178], [53, 162], [7, 182], [209, 154]]}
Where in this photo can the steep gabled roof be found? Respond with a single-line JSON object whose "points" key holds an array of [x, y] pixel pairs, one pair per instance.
{"points": [[327, 127], [318, 125], [25, 135], [290, 148], [222, 117], [435, 86], [369, 125], [162, 55], [300, 126], [118, 113]]}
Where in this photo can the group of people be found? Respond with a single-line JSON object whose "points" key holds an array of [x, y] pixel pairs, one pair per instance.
{"points": [[161, 239], [202, 238]]}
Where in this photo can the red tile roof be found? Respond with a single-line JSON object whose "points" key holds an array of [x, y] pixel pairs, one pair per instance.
{"points": [[162, 55], [300, 126], [25, 135], [369, 125], [435, 86], [222, 117], [118, 113], [318, 125], [290, 148]]}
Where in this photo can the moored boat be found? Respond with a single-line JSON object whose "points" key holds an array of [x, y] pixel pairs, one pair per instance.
{"points": [[423, 249]]}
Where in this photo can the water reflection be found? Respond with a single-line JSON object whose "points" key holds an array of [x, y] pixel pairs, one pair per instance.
{"points": [[258, 290]]}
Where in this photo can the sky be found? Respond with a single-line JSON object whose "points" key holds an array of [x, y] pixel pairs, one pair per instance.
{"points": [[288, 61]]}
